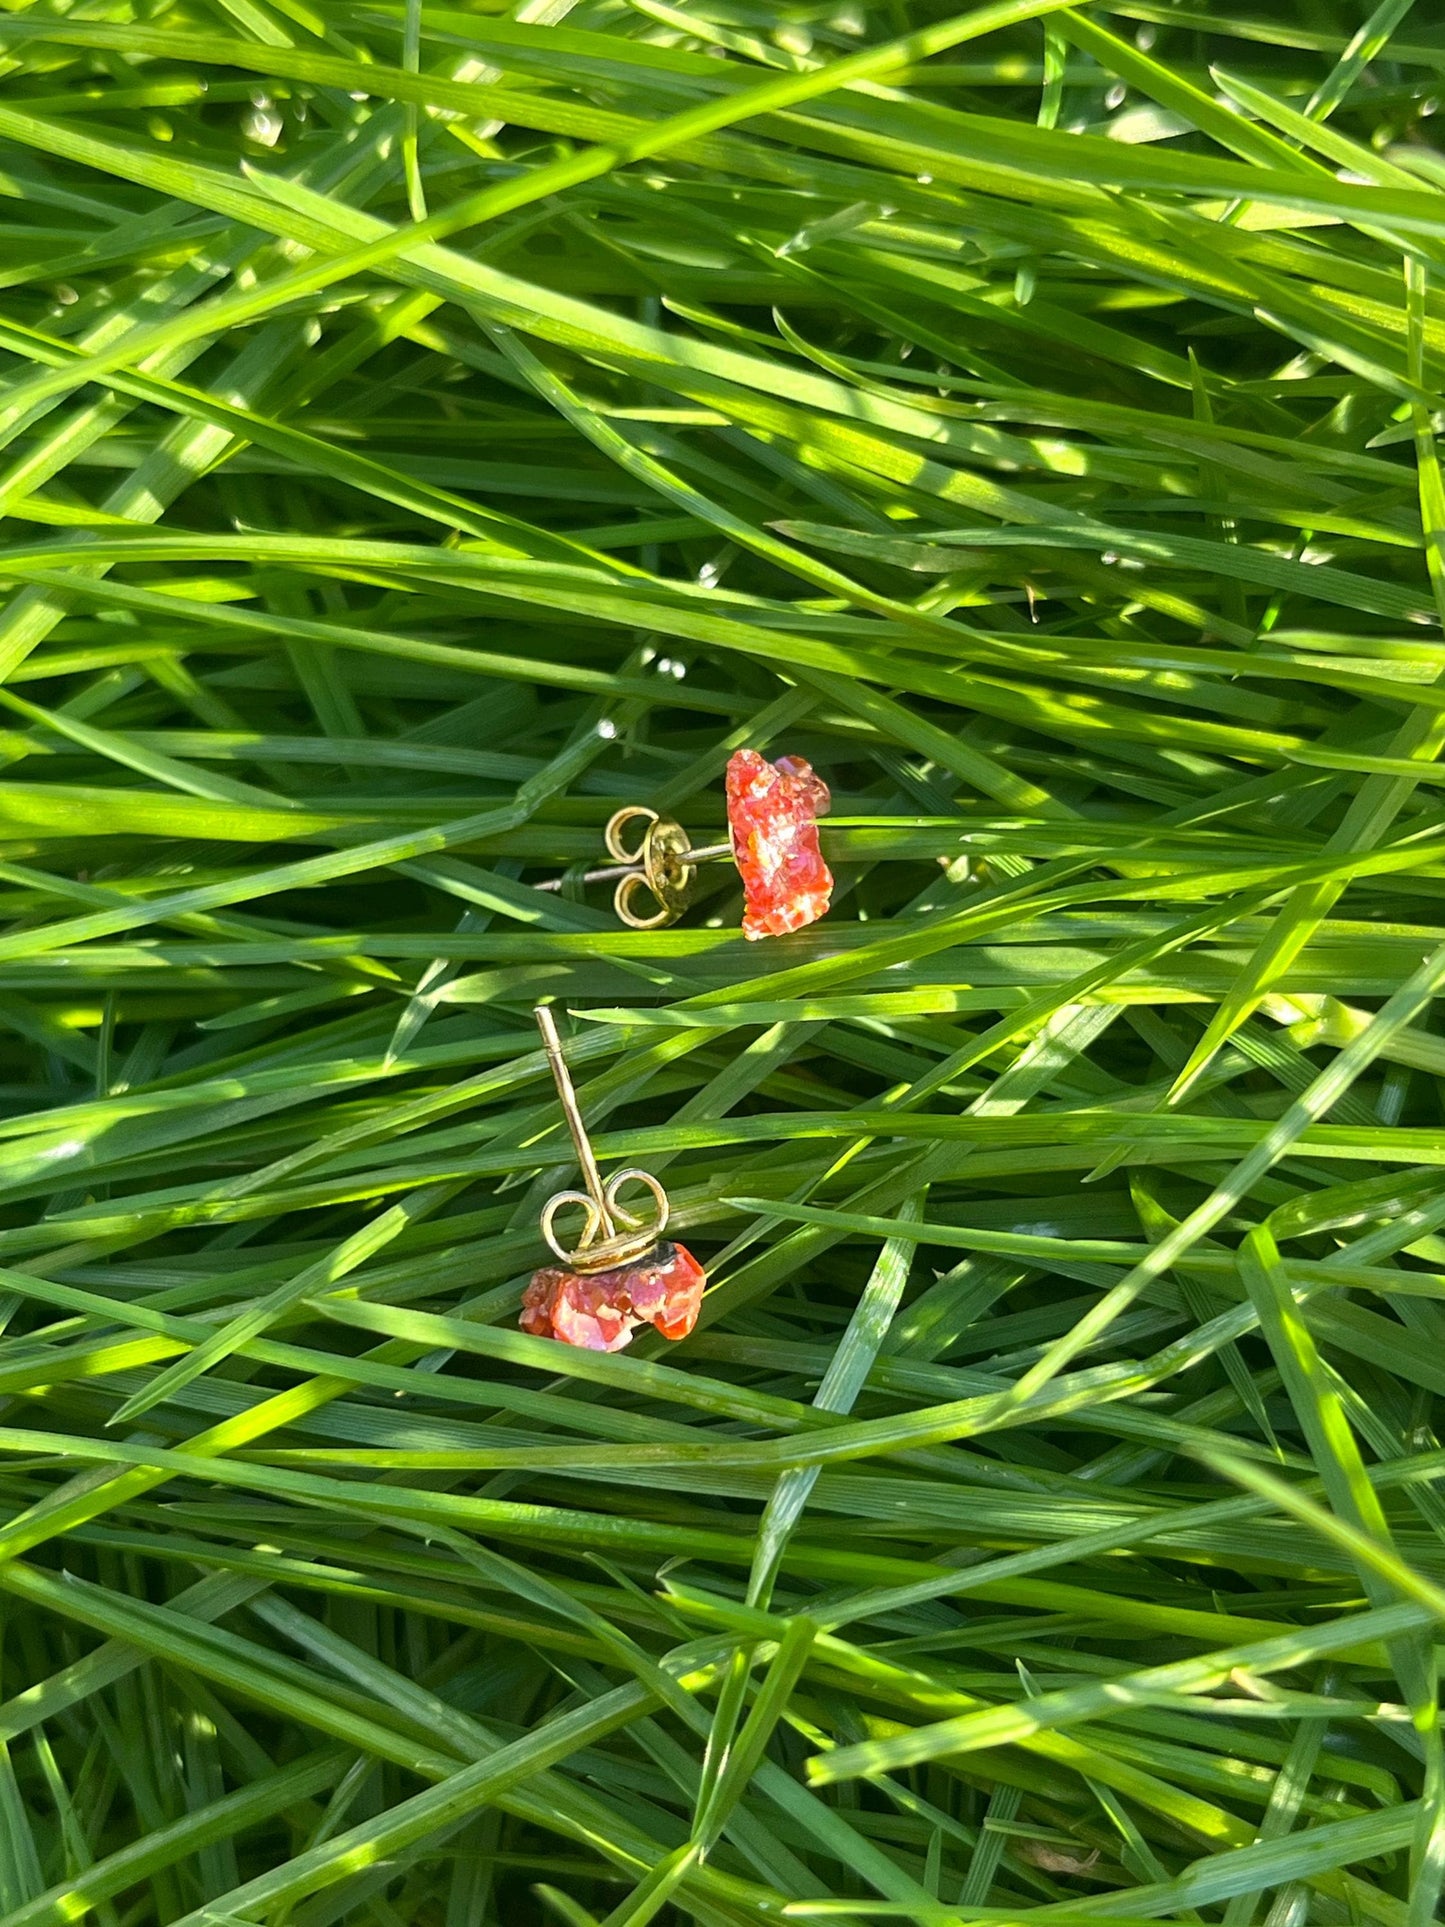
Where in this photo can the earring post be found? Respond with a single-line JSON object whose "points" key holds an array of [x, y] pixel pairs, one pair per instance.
{"points": [[710, 853], [571, 1110], [609, 875]]}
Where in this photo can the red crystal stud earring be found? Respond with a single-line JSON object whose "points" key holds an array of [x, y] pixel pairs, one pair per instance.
{"points": [[773, 811], [623, 1273]]}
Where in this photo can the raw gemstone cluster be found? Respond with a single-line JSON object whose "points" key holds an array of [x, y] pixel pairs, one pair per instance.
{"points": [[773, 811], [600, 1310]]}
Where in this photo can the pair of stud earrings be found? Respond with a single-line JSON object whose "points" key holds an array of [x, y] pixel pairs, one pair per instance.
{"points": [[773, 811], [623, 1271]]}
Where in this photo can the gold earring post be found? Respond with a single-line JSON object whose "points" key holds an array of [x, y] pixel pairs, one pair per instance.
{"points": [[586, 1157], [613, 1234]]}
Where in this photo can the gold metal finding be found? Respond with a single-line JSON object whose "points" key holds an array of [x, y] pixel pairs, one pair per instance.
{"points": [[664, 867], [612, 1235]]}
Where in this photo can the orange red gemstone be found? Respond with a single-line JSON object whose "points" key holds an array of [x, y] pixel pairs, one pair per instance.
{"points": [[600, 1310], [773, 811]]}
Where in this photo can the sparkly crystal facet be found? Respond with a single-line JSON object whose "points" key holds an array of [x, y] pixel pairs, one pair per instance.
{"points": [[600, 1310], [772, 813]]}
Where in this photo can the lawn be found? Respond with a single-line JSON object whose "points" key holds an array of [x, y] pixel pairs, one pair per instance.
{"points": [[429, 429]]}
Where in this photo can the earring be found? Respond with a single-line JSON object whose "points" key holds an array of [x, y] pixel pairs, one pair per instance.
{"points": [[773, 811], [622, 1273]]}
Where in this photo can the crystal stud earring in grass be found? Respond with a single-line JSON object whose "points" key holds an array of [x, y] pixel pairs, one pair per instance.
{"points": [[773, 811], [623, 1272]]}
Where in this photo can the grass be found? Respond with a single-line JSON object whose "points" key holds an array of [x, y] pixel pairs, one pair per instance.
{"points": [[426, 428]]}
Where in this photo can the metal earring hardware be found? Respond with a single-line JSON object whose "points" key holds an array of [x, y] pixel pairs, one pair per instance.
{"points": [[622, 1273], [663, 864], [611, 1235]]}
